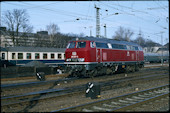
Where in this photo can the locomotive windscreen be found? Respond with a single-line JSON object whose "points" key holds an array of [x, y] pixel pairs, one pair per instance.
{"points": [[76, 45]]}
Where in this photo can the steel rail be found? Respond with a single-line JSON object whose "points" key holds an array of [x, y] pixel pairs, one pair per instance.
{"points": [[120, 102], [36, 83], [147, 100], [64, 91], [15, 85]]}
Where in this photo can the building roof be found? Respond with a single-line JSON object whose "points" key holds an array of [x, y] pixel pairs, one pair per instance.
{"points": [[34, 49]]}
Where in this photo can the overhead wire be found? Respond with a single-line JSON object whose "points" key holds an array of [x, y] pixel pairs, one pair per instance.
{"points": [[133, 15], [82, 16]]}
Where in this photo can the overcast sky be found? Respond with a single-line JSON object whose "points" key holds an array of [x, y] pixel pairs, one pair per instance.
{"points": [[151, 17]]}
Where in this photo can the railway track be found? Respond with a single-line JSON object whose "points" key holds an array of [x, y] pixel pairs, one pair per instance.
{"points": [[25, 99], [40, 83], [48, 77], [121, 103], [35, 83]]}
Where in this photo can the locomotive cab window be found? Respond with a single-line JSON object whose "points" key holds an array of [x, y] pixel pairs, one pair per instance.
{"points": [[92, 44], [80, 44], [71, 45]]}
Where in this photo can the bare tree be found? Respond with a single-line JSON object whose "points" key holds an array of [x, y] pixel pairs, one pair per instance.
{"points": [[52, 29], [123, 34], [119, 34], [17, 21], [140, 40]]}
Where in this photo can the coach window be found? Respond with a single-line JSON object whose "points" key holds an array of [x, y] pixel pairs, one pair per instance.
{"points": [[13, 56], [59, 56], [37, 55], [28, 55], [20, 55], [3, 55], [44, 55], [64, 56], [52, 56]]}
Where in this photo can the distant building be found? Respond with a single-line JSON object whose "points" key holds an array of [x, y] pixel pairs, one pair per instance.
{"points": [[22, 38], [42, 32]]}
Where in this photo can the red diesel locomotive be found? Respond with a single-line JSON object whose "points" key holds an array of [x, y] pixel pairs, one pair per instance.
{"points": [[91, 56]]}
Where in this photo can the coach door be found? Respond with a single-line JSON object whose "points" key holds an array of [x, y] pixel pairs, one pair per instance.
{"points": [[98, 55]]}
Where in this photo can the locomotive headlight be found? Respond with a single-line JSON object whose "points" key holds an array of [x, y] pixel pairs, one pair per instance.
{"points": [[81, 59], [68, 60]]}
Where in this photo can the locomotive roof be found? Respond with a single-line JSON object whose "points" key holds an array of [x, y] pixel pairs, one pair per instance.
{"points": [[34, 49], [106, 40]]}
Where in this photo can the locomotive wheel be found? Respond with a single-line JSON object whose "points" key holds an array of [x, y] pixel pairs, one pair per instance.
{"points": [[130, 68], [136, 68], [127, 69], [91, 73], [133, 68], [73, 74]]}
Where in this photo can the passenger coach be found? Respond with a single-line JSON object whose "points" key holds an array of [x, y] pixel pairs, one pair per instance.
{"points": [[22, 55], [95, 56]]}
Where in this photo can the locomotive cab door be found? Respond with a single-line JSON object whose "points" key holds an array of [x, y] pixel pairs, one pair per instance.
{"points": [[137, 55], [98, 55]]}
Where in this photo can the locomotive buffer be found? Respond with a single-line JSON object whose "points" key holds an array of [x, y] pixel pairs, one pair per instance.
{"points": [[93, 90]]}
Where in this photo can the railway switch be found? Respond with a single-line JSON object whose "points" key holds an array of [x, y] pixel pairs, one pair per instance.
{"points": [[93, 90], [40, 76]]}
